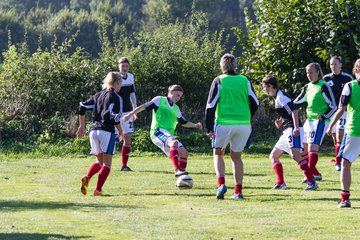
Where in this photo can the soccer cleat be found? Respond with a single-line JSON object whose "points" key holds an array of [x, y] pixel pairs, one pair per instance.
{"points": [[237, 196], [126, 169], [311, 186], [279, 186], [317, 177], [338, 167], [97, 193], [84, 185], [344, 204], [221, 192], [332, 160], [180, 172]]}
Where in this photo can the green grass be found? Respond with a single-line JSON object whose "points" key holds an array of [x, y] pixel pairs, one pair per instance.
{"points": [[40, 199]]}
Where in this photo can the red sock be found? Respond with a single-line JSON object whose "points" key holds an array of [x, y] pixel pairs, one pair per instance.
{"points": [[337, 148], [303, 164], [174, 157], [313, 159], [345, 195], [278, 169], [182, 163], [221, 180], [104, 173], [238, 189], [125, 152], [94, 168]]}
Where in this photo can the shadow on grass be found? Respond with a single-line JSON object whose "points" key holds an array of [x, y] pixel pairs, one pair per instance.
{"points": [[175, 194], [33, 205], [37, 236]]}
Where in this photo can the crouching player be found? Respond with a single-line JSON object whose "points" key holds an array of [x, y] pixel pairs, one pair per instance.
{"points": [[165, 117], [349, 149], [107, 114], [290, 140]]}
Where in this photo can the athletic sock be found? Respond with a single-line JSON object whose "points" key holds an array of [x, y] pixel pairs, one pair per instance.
{"points": [[337, 148], [303, 165], [104, 173], [125, 152], [238, 189], [94, 168], [221, 180], [278, 169], [313, 159], [174, 156], [345, 195], [182, 163]]}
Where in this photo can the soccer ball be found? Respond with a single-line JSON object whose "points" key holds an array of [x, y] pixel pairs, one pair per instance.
{"points": [[184, 182]]}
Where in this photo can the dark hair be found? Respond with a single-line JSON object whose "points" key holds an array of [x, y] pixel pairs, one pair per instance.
{"points": [[124, 60], [175, 87], [337, 58], [271, 80]]}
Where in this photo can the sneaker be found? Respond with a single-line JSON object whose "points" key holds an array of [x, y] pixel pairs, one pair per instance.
{"points": [[84, 185], [311, 186], [338, 167], [279, 186], [179, 172], [221, 192], [318, 177], [344, 204], [126, 169], [237, 196], [97, 193]]}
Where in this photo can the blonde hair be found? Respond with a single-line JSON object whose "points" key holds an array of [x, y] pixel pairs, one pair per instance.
{"points": [[110, 79], [356, 68], [175, 87], [317, 68], [228, 63]]}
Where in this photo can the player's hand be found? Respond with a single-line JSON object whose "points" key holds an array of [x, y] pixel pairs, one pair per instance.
{"points": [[198, 125], [278, 122], [120, 137], [211, 134], [126, 117], [80, 132], [296, 132], [320, 117], [134, 117], [328, 131]]}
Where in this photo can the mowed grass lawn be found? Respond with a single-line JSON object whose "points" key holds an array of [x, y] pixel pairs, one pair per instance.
{"points": [[40, 199]]}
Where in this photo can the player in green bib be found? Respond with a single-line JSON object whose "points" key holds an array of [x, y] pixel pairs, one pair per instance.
{"points": [[231, 104], [165, 117], [321, 106], [349, 149]]}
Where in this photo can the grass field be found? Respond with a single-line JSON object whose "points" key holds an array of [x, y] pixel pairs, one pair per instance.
{"points": [[40, 199]]}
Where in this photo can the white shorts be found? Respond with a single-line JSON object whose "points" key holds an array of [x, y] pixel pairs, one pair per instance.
{"points": [[160, 138], [315, 131], [349, 149], [287, 140], [127, 126], [102, 142], [238, 136], [340, 125]]}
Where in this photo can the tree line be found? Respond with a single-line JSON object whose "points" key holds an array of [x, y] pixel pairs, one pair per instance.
{"points": [[57, 53]]}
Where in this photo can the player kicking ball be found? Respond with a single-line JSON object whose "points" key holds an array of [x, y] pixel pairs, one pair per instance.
{"points": [[165, 117], [290, 140]]}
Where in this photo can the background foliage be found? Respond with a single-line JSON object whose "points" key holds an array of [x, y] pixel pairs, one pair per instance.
{"points": [[56, 53]]}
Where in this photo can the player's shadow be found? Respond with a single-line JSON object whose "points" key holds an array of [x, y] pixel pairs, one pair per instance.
{"points": [[183, 193], [37, 236], [36, 205]]}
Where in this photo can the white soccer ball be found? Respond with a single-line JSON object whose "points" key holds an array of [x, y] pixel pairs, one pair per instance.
{"points": [[184, 181]]}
